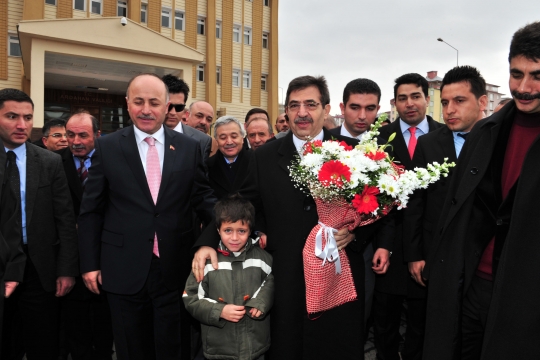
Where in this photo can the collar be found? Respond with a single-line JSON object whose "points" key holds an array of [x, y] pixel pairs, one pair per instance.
{"points": [[158, 135], [179, 128], [90, 154], [424, 126], [230, 162], [298, 143], [20, 151]]}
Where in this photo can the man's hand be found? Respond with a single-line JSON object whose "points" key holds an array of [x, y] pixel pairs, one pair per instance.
{"points": [[91, 280], [64, 284], [255, 313], [10, 288], [416, 268], [381, 261], [233, 313], [199, 261], [343, 238]]}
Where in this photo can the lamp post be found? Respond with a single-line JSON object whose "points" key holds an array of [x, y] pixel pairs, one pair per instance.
{"points": [[457, 51]]}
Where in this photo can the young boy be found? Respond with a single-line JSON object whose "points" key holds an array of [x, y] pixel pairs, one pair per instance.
{"points": [[232, 302]]}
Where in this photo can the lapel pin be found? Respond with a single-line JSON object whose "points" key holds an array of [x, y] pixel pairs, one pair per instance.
{"points": [[171, 147]]}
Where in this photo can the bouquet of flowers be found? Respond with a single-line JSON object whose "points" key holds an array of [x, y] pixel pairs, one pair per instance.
{"points": [[352, 187]]}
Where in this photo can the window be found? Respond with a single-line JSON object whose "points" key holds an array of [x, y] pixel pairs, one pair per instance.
{"points": [[95, 7], [121, 9], [50, 2], [431, 103], [218, 29], [200, 73], [247, 36], [200, 25], [14, 47], [79, 5], [247, 79], [431, 92], [218, 75], [236, 78], [490, 96], [266, 2], [179, 20], [236, 33], [263, 82], [265, 40], [166, 17], [144, 9]]}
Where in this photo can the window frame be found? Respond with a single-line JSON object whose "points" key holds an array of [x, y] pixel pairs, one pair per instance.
{"points": [[236, 74], [121, 5], [48, 3], [100, 2], [182, 19], [266, 2], [200, 72], [218, 75], [236, 31], [166, 13], [145, 11], [265, 38], [249, 34], [13, 38], [201, 24], [246, 75], [264, 82], [84, 5], [218, 29]]}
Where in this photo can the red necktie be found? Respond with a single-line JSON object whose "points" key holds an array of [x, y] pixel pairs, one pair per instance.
{"points": [[153, 176], [412, 141]]}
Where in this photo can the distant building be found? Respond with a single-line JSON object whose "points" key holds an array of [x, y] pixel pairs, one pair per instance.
{"points": [[493, 98], [339, 119], [434, 92]]}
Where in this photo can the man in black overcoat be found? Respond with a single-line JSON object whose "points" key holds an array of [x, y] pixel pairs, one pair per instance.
{"points": [[286, 216], [392, 288], [483, 274]]}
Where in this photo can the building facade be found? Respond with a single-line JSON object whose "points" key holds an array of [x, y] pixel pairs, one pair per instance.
{"points": [[72, 55]]}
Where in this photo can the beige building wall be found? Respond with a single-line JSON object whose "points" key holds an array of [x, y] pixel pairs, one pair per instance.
{"points": [[226, 54]]}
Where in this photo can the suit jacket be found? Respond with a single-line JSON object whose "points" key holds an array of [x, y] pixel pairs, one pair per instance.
{"points": [[336, 130], [424, 207], [12, 257], [74, 183], [118, 217], [287, 215], [398, 280], [473, 213], [50, 221], [203, 139], [218, 179]]}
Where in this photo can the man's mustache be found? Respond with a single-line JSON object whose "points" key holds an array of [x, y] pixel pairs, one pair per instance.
{"points": [[525, 96], [303, 119], [78, 147]]}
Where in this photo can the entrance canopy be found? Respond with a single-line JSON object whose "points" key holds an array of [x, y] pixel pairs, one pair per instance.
{"points": [[96, 55]]}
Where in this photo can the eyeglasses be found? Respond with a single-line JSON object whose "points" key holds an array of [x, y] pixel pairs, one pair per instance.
{"points": [[177, 107], [57, 135], [310, 106]]}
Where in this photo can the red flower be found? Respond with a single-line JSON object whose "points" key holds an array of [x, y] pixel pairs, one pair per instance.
{"points": [[317, 143], [378, 155], [334, 172], [366, 202], [346, 146], [310, 146]]}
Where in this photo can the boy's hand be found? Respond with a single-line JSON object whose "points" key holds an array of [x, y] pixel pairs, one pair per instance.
{"points": [[255, 313], [233, 313]]}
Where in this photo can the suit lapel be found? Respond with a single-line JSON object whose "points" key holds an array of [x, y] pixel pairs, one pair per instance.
{"points": [[169, 159], [446, 139], [286, 152], [242, 169], [71, 174], [32, 180], [400, 146], [133, 159]]}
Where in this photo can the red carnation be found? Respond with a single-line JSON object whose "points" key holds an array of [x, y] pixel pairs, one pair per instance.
{"points": [[366, 202], [346, 146], [378, 155], [334, 172], [317, 143]]}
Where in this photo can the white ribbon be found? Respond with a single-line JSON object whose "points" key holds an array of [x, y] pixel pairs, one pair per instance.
{"points": [[330, 251]]}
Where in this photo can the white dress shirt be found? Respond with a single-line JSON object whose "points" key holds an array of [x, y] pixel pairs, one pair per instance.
{"points": [[345, 132], [298, 143], [159, 136], [421, 129]]}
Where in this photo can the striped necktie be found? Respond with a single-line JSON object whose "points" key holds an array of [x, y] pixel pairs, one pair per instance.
{"points": [[82, 170]]}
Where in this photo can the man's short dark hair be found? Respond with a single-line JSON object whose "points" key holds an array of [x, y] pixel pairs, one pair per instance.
{"points": [[234, 208], [412, 78], [14, 95], [95, 122], [46, 129], [303, 82], [361, 86], [526, 42], [176, 86], [256, 111], [467, 74]]}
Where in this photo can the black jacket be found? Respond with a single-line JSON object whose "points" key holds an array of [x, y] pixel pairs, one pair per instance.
{"points": [[218, 178]]}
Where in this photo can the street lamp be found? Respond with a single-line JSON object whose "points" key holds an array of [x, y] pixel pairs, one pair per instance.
{"points": [[457, 51]]}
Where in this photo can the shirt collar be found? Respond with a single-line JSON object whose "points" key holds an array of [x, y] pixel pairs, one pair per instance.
{"points": [[424, 126], [159, 135], [179, 128], [298, 143], [456, 133], [20, 151], [90, 154]]}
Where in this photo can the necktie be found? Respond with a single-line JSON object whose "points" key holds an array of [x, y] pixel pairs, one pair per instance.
{"points": [[15, 181], [153, 177], [463, 135], [82, 170], [412, 141]]}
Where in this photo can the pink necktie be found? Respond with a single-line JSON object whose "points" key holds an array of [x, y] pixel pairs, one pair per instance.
{"points": [[153, 176], [412, 141]]}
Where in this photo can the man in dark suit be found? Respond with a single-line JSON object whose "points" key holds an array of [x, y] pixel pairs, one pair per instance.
{"points": [[286, 215], [135, 224], [463, 99], [483, 271], [178, 96], [360, 104], [48, 235], [228, 168], [88, 328], [396, 286]]}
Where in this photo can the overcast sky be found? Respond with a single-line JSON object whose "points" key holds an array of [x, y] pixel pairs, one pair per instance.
{"points": [[381, 40]]}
